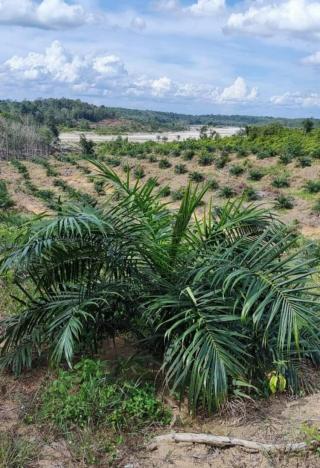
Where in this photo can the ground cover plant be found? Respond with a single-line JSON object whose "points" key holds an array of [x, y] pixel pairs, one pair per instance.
{"points": [[224, 300], [94, 395]]}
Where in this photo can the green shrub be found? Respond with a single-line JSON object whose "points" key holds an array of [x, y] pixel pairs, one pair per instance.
{"points": [[304, 161], [284, 202], [236, 170], [152, 158], [265, 154], [99, 186], [188, 155], [256, 174], [6, 201], [90, 396], [226, 192], [205, 159], [165, 191], [126, 167], [285, 158], [221, 161], [114, 162], [313, 186], [315, 154], [180, 169], [281, 182], [250, 194], [139, 172], [164, 163], [213, 184], [241, 153], [196, 177], [178, 194]]}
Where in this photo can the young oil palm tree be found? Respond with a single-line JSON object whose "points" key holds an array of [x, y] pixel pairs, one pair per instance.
{"points": [[223, 299]]}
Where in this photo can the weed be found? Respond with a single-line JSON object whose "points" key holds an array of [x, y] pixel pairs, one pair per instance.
{"points": [[6, 201], [196, 177], [180, 169], [281, 182], [139, 172], [226, 192], [236, 170], [164, 163], [213, 184], [15, 451], [256, 174], [205, 160], [284, 202], [312, 186], [90, 395], [178, 194]]}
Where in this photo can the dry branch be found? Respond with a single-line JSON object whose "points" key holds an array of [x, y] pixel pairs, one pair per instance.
{"points": [[226, 442]]}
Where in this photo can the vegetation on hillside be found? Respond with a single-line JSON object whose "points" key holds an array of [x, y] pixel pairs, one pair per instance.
{"points": [[81, 115]]}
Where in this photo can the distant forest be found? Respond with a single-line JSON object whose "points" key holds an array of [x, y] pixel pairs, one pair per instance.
{"points": [[75, 114]]}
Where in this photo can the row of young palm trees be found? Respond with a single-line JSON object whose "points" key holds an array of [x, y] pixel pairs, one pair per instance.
{"points": [[224, 299]]}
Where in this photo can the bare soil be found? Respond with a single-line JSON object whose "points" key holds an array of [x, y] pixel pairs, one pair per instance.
{"points": [[277, 420], [302, 213]]}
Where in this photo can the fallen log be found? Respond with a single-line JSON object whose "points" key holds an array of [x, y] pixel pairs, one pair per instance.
{"points": [[227, 442]]}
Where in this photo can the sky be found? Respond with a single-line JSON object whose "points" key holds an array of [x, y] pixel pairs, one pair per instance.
{"points": [[258, 57]]}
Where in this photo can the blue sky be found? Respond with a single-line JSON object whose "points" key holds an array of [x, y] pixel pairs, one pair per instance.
{"points": [[257, 57]]}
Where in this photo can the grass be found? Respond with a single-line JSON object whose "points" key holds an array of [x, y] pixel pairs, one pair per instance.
{"points": [[16, 451]]}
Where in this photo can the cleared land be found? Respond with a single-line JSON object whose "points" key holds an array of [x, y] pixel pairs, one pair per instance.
{"points": [[78, 174], [193, 132]]}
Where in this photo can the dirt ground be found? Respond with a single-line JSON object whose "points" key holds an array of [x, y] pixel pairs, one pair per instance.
{"points": [[301, 214], [278, 420]]}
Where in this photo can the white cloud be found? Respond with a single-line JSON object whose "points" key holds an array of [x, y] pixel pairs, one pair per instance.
{"points": [[297, 99], [268, 17], [58, 65], [238, 91], [199, 8], [109, 66], [161, 86], [206, 7], [106, 75], [48, 14], [313, 59]]}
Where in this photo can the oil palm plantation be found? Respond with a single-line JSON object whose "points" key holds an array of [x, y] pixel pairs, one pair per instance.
{"points": [[224, 299]]}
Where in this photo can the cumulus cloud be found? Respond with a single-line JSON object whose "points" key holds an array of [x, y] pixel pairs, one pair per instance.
{"points": [[56, 64], [48, 14], [107, 75], [266, 17], [238, 91], [296, 99]]}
